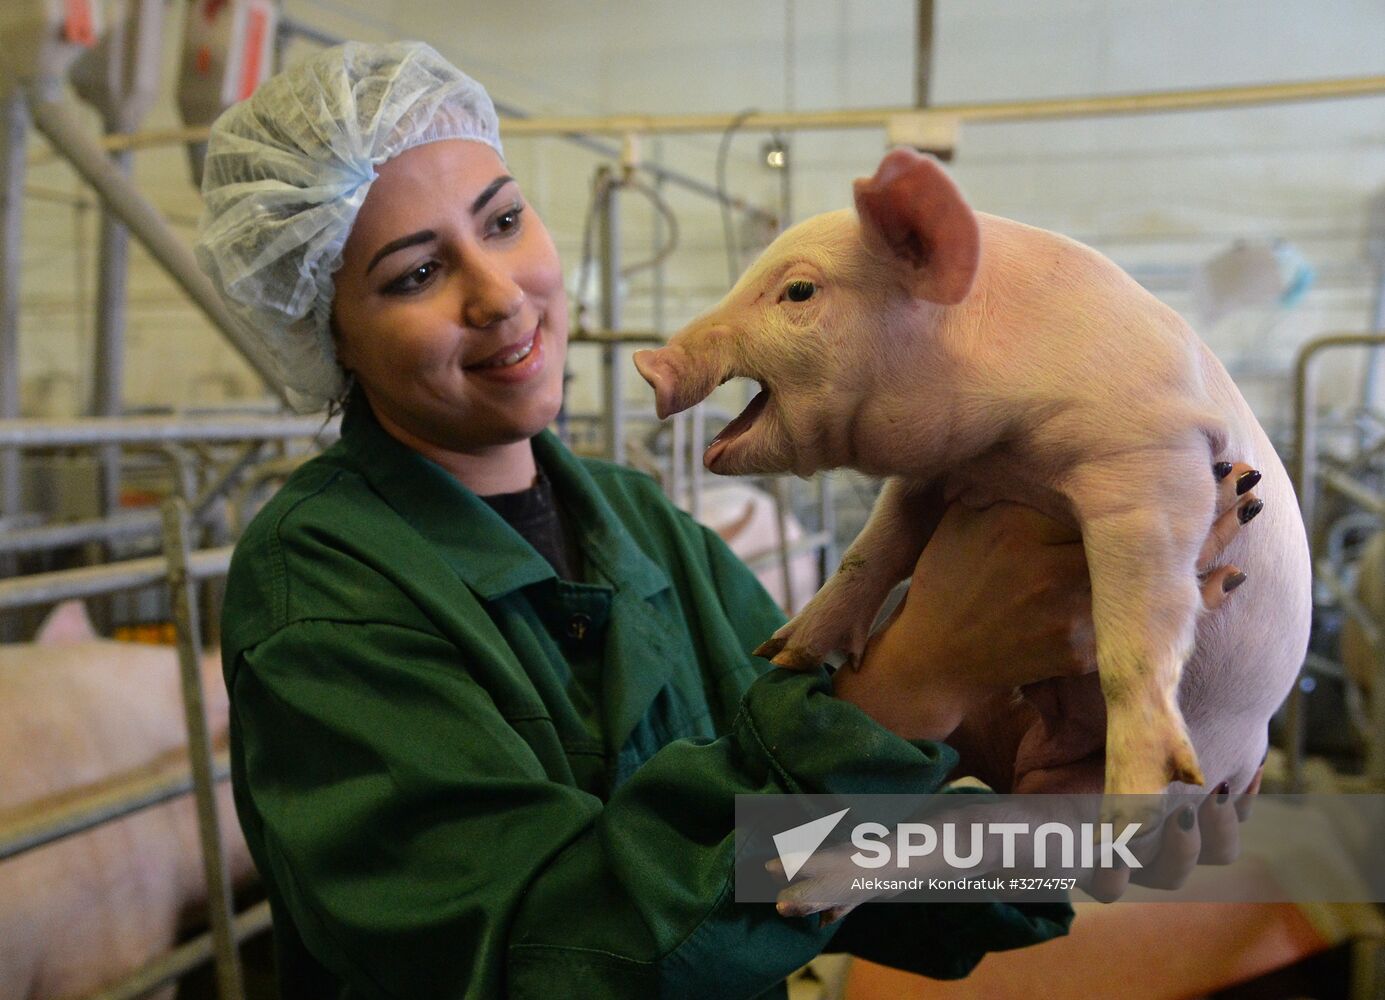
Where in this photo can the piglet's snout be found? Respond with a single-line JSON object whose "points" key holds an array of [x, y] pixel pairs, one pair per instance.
{"points": [[677, 380]]}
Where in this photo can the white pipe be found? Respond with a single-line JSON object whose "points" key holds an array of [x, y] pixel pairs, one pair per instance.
{"points": [[65, 132]]}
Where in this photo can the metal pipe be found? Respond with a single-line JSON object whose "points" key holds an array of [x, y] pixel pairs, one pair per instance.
{"points": [[1355, 491], [1375, 366], [121, 525], [88, 581], [30, 434], [923, 53], [1371, 630], [616, 337], [216, 869], [1152, 102], [14, 124], [697, 443], [1303, 472], [1304, 468], [101, 529], [779, 490], [64, 130], [109, 372], [608, 190], [1001, 111], [184, 958], [805, 544], [112, 802]]}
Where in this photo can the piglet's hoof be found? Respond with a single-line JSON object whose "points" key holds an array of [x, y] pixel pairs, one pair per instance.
{"points": [[770, 647], [795, 659]]}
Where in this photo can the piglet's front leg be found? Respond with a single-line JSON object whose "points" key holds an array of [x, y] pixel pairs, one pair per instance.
{"points": [[839, 616]]}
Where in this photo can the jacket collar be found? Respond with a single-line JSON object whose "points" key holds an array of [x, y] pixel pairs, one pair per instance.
{"points": [[485, 552]]}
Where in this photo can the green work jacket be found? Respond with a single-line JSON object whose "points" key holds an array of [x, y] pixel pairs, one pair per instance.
{"points": [[460, 776]]}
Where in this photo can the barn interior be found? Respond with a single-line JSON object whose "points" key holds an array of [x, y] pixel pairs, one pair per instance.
{"points": [[1229, 157]]}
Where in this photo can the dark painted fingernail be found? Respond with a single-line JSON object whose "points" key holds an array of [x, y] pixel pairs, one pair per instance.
{"points": [[1185, 818], [1232, 582], [1247, 482], [1247, 512], [1223, 793], [1221, 470]]}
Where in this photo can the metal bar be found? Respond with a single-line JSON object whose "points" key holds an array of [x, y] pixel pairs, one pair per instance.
{"points": [[616, 337], [1001, 111], [14, 124], [1371, 629], [805, 544], [1152, 102], [608, 190], [64, 130], [1355, 491], [1304, 468], [1375, 367], [121, 525], [827, 563], [88, 581], [111, 802], [1304, 473], [109, 370], [220, 903], [780, 491], [697, 443], [185, 958], [923, 53], [147, 430], [101, 529]]}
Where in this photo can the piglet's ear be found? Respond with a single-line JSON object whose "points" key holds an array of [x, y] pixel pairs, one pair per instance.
{"points": [[912, 210]]}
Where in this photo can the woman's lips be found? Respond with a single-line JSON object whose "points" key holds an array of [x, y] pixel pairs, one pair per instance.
{"points": [[492, 368]]}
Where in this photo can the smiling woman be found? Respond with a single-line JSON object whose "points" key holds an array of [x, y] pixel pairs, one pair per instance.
{"points": [[450, 313]]}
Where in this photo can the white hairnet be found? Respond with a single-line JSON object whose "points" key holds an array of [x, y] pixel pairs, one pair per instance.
{"points": [[286, 172]]}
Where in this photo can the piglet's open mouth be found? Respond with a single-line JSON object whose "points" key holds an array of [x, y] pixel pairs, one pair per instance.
{"points": [[735, 428]]}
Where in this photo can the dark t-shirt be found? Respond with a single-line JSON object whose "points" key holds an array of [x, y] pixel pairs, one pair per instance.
{"points": [[536, 515]]}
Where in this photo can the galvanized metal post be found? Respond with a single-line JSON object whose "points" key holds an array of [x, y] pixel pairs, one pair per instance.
{"points": [[923, 54], [109, 376], [180, 581], [612, 374], [58, 123], [1304, 473], [14, 125]]}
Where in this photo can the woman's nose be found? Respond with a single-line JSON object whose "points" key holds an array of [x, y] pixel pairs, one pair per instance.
{"points": [[492, 295]]}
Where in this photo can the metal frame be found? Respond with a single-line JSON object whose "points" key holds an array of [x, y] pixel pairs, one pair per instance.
{"points": [[180, 568], [1307, 480]]}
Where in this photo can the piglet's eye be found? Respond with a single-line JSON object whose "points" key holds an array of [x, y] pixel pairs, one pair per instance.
{"points": [[800, 291]]}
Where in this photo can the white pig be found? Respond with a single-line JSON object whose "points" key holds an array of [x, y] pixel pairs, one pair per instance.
{"points": [[77, 712], [970, 357]]}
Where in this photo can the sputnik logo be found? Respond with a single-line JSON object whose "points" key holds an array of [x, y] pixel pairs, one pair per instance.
{"points": [[797, 844]]}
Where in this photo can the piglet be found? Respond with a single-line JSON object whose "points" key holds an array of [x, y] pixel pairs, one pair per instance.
{"points": [[969, 357]]}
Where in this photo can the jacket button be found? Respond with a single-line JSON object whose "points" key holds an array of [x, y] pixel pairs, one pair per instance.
{"points": [[577, 626]]}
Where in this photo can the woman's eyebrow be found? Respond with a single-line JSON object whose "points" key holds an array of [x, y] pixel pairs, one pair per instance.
{"points": [[489, 193], [393, 246]]}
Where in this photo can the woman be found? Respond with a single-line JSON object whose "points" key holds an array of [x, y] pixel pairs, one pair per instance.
{"points": [[491, 703]]}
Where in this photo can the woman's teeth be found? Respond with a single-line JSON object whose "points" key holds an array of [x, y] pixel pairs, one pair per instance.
{"points": [[512, 359]]}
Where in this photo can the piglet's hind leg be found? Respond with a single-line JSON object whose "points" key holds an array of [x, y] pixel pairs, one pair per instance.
{"points": [[1141, 553]]}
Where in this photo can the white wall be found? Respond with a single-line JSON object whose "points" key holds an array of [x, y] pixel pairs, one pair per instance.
{"points": [[1158, 193]]}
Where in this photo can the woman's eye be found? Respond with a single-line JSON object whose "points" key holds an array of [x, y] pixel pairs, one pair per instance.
{"points": [[800, 291], [508, 220], [412, 281]]}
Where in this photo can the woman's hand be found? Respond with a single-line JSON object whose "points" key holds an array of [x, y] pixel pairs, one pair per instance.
{"points": [[1207, 835], [1000, 598]]}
